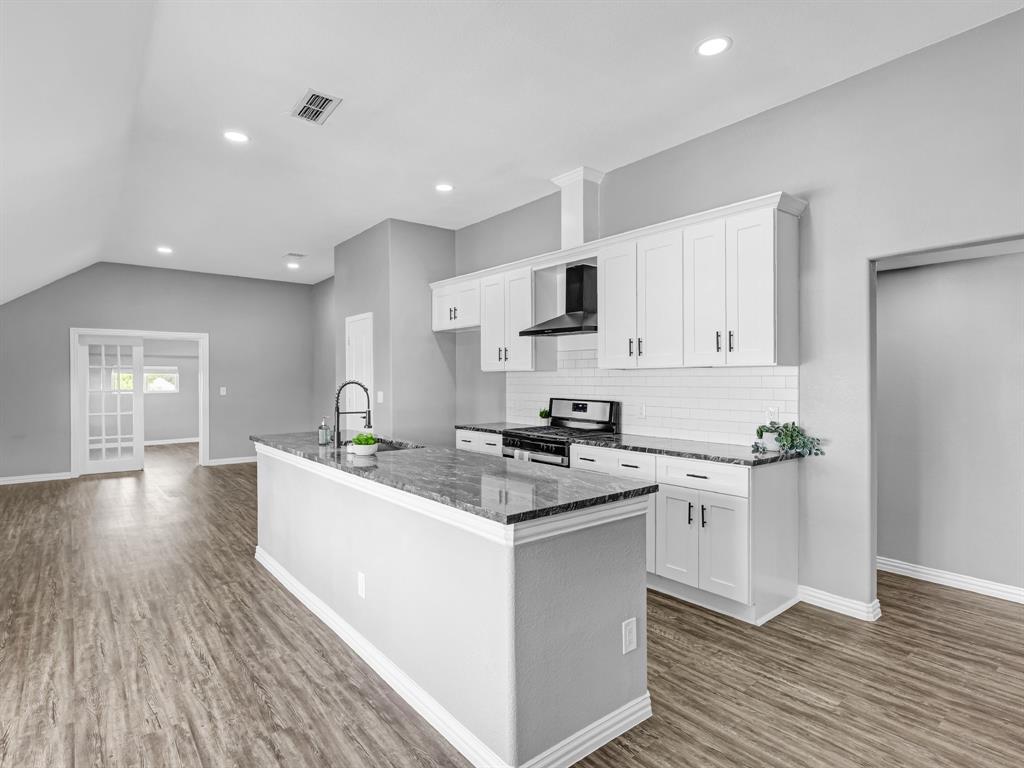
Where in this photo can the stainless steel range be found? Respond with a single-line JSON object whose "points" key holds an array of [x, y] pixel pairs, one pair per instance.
{"points": [[569, 419]]}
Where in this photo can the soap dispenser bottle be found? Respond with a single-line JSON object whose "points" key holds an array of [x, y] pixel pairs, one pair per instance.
{"points": [[323, 432]]}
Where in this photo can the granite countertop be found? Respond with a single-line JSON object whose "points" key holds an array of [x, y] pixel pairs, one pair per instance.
{"points": [[497, 427], [470, 481], [724, 453]]}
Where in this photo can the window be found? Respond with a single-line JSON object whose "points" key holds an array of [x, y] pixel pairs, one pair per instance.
{"points": [[160, 380], [122, 380]]}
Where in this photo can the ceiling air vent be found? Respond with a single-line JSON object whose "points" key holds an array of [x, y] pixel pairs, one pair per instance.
{"points": [[315, 107]]}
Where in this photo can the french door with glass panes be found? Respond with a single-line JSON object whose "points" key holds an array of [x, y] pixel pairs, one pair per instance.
{"points": [[112, 374]]}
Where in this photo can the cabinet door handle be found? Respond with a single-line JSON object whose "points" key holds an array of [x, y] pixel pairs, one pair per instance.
{"points": [[499, 354], [639, 346], [703, 519], [584, 458], [689, 515], [718, 341], [491, 444], [631, 466], [506, 354], [702, 477], [455, 313], [631, 347], [466, 441], [450, 314], [730, 341]]}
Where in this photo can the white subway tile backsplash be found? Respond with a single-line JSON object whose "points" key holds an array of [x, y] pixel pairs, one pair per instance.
{"points": [[722, 405]]}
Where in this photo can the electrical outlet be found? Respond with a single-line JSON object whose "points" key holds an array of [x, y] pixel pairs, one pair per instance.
{"points": [[771, 414], [643, 410], [380, 396], [361, 584], [223, 391], [628, 635]]}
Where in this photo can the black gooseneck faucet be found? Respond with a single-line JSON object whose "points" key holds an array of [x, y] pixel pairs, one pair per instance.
{"points": [[338, 412]]}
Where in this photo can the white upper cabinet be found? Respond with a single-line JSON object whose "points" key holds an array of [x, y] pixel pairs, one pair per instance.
{"points": [[750, 287], [616, 306], [506, 308], [456, 306], [740, 277], [704, 293], [640, 303], [659, 304]]}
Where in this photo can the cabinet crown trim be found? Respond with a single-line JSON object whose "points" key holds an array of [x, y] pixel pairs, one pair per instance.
{"points": [[780, 200]]}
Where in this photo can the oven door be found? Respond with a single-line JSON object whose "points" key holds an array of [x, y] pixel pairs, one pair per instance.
{"points": [[529, 450]]}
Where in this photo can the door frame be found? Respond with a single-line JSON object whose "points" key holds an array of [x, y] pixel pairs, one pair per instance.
{"points": [[349, 321], [76, 393]]}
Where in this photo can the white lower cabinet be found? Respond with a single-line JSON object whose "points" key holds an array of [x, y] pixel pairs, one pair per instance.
{"points": [[721, 535], [481, 442]]}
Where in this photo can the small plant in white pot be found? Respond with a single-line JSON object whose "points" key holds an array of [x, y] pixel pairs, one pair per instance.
{"points": [[545, 415], [789, 439], [363, 444]]}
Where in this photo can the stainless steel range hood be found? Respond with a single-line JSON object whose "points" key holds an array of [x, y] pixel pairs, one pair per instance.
{"points": [[580, 306]]}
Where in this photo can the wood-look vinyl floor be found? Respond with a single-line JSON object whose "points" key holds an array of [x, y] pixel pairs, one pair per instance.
{"points": [[136, 629]]}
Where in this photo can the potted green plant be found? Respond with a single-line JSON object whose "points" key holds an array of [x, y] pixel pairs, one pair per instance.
{"points": [[545, 414], [364, 444], [790, 440]]}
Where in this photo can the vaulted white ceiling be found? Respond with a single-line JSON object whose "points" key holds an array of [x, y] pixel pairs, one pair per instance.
{"points": [[113, 112]]}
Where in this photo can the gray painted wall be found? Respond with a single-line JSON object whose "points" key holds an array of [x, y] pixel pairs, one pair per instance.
{"points": [[324, 335], [921, 152], [259, 348], [361, 277], [173, 415], [385, 270], [422, 362], [525, 231], [951, 417]]}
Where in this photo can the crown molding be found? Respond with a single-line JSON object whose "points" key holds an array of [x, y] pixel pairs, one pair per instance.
{"points": [[583, 173]]}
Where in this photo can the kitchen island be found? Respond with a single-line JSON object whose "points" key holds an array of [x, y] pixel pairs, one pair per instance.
{"points": [[495, 596]]}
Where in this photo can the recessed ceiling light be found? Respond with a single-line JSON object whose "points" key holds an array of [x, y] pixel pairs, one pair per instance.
{"points": [[236, 137], [293, 260], [443, 187], [293, 265], [166, 250], [714, 46]]}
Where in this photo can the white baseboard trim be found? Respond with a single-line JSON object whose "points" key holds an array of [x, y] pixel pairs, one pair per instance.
{"points": [[474, 750], [762, 620], [949, 579], [172, 441], [18, 479], [232, 460], [594, 736], [859, 610]]}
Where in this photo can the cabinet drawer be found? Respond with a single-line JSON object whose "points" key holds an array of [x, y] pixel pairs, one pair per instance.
{"points": [[712, 476], [594, 459], [642, 466], [481, 442]]}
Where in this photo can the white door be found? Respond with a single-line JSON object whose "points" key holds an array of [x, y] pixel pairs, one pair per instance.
{"points": [[111, 374], [724, 546], [659, 319], [467, 304], [750, 287], [676, 540], [616, 306], [443, 313], [358, 366], [704, 326], [518, 316], [492, 323]]}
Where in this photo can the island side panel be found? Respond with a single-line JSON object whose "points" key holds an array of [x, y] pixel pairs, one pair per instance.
{"points": [[438, 598], [572, 594]]}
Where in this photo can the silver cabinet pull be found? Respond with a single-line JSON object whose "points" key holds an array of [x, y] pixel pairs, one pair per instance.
{"points": [[718, 341], [730, 341], [631, 347]]}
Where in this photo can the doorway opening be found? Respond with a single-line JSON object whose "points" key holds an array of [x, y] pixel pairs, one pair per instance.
{"points": [[358, 366], [115, 375], [948, 416]]}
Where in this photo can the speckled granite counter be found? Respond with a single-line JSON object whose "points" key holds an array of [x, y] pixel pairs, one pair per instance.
{"points": [[724, 453], [464, 480], [496, 427]]}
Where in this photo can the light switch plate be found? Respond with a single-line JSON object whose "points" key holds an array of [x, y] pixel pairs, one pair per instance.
{"points": [[223, 391], [771, 414], [628, 635], [380, 396]]}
